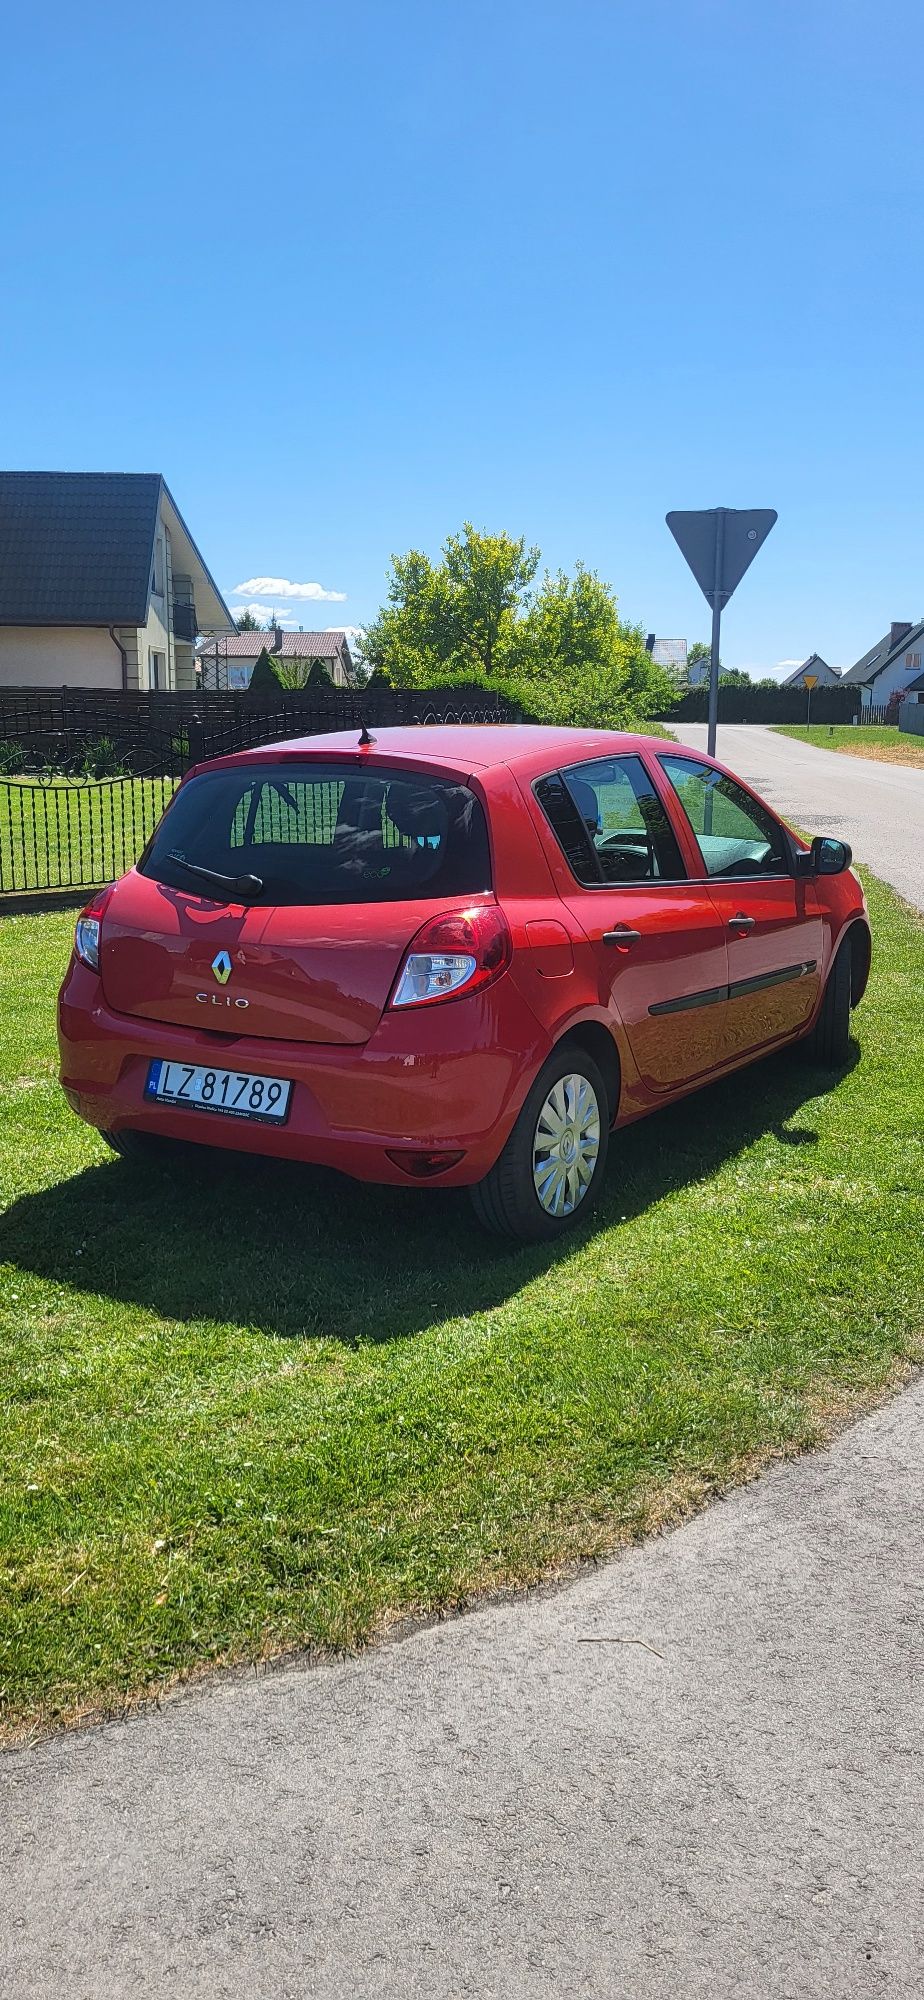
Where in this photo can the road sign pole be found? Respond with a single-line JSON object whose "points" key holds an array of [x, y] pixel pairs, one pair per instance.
{"points": [[808, 710], [719, 543], [716, 629]]}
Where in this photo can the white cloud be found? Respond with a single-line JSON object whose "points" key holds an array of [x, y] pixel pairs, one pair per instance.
{"points": [[353, 632], [263, 613], [787, 663], [280, 586]]}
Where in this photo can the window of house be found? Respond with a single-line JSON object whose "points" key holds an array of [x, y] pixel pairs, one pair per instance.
{"points": [[610, 823], [157, 670], [157, 582]]}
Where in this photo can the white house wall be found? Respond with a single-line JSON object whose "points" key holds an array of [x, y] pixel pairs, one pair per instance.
{"points": [[58, 655], [826, 677], [156, 636], [895, 678]]}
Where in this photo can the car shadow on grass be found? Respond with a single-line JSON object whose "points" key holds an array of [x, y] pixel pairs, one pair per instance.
{"points": [[291, 1251]]}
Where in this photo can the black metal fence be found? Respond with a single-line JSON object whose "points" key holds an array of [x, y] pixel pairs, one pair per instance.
{"points": [[59, 833], [85, 775]]}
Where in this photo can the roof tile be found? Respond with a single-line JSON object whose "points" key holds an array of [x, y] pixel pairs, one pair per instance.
{"points": [[76, 548]]}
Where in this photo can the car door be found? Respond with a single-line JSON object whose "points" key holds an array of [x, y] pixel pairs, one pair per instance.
{"points": [[770, 917], [657, 939]]}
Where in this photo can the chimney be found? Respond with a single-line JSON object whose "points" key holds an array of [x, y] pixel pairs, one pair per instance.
{"points": [[276, 646], [898, 632], [649, 643]]}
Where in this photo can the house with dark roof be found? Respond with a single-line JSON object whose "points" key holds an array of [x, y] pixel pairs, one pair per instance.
{"points": [[229, 662], [825, 676], [101, 583], [890, 667]]}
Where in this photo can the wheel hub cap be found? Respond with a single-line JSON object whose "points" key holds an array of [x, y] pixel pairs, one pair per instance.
{"points": [[566, 1145]]}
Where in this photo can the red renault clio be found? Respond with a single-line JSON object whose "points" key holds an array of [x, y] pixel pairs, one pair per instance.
{"points": [[458, 956]]}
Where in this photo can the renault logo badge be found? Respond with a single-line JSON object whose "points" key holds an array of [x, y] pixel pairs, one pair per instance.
{"points": [[221, 966]]}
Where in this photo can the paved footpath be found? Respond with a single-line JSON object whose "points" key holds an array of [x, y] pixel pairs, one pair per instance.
{"points": [[696, 1771], [879, 808]]}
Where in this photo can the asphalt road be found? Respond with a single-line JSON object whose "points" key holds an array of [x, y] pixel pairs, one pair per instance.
{"points": [[697, 1770], [694, 1771], [879, 808]]}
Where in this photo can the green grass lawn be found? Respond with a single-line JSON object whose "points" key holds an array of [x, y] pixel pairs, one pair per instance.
{"points": [[883, 744], [64, 834], [244, 1408]]}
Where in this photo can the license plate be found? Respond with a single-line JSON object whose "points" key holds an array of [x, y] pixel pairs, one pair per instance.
{"points": [[233, 1092]]}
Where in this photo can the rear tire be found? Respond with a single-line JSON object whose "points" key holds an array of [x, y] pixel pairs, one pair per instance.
{"points": [[145, 1149], [829, 1042], [550, 1173]]}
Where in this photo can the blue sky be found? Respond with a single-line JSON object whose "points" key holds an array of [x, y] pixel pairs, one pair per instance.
{"points": [[350, 274]]}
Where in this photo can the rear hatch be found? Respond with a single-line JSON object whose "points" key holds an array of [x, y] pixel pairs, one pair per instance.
{"points": [[327, 874]]}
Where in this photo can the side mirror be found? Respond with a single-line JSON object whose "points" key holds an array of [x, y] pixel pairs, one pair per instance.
{"points": [[829, 857]]}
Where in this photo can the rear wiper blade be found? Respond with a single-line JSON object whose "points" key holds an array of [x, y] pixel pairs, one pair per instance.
{"points": [[237, 885]]}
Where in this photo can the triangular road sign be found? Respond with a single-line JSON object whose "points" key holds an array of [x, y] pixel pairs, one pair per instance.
{"points": [[720, 543]]}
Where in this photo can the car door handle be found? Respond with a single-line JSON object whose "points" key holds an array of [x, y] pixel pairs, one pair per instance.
{"points": [[621, 935], [741, 922]]}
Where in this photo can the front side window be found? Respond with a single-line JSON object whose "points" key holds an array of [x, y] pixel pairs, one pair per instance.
{"points": [[611, 824], [323, 836], [735, 835]]}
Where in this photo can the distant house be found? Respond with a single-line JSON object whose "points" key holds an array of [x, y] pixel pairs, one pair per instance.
{"points": [[228, 662], [890, 667], [670, 654], [825, 676], [101, 583]]}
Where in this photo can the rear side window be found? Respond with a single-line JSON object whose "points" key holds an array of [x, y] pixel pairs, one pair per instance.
{"points": [[324, 835], [610, 822], [735, 835]]}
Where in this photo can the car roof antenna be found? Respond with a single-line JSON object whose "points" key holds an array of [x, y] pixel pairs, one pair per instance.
{"points": [[364, 738]]}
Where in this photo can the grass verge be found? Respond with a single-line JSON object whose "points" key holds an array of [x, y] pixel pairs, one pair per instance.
{"points": [[883, 745], [244, 1408]]}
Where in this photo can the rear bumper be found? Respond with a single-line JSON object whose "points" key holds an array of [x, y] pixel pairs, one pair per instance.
{"points": [[441, 1078]]}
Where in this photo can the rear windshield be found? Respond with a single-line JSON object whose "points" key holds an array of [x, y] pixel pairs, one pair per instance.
{"points": [[324, 836]]}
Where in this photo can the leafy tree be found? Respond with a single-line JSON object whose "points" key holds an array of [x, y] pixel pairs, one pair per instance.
{"points": [[277, 670], [266, 673], [247, 622], [561, 650], [452, 618], [579, 663], [734, 677]]}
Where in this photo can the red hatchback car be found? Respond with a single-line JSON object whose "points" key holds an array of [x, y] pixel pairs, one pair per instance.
{"points": [[459, 956]]}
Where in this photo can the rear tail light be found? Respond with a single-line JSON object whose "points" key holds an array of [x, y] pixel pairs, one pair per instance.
{"points": [[462, 952], [87, 933]]}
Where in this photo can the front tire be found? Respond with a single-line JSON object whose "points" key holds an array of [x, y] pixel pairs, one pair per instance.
{"points": [[829, 1042], [550, 1173]]}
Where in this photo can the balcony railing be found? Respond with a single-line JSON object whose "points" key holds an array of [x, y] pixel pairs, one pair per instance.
{"points": [[184, 622]]}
